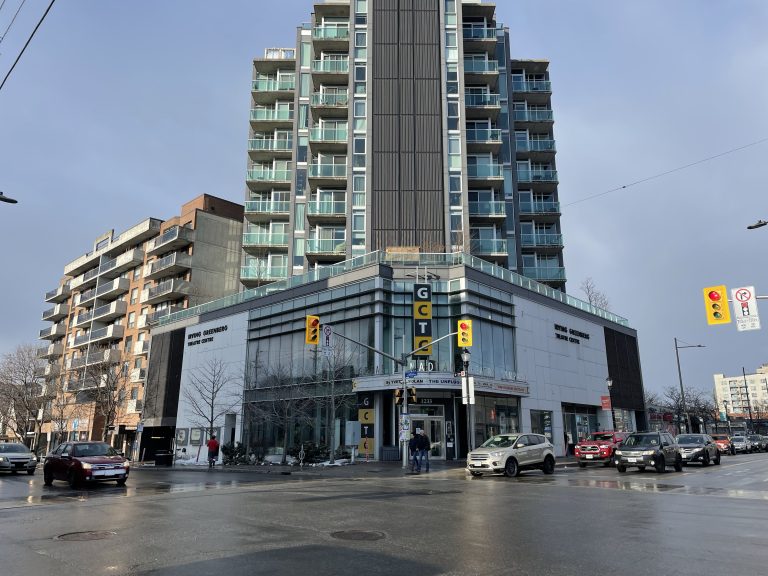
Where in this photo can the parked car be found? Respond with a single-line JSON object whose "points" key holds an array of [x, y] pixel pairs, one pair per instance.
{"points": [[741, 444], [758, 442], [16, 458], [85, 463], [598, 447], [698, 448], [724, 444], [655, 449], [511, 453]]}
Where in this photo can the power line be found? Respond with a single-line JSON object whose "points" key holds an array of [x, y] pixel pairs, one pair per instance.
{"points": [[660, 174], [27, 43], [12, 19]]}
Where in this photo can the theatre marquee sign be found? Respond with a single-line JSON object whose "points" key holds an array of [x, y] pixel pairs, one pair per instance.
{"points": [[441, 380]]}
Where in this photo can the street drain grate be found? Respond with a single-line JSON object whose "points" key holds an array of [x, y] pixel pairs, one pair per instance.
{"points": [[86, 536], [358, 535]]}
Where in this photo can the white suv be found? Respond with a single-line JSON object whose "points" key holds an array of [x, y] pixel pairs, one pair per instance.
{"points": [[511, 453]]}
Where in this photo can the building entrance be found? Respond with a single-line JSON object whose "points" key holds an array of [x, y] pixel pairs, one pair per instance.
{"points": [[432, 419]]}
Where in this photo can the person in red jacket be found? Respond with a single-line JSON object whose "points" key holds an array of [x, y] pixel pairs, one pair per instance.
{"points": [[213, 450]]}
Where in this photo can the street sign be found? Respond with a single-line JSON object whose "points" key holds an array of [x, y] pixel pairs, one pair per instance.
{"points": [[327, 340], [405, 427], [411, 374], [745, 308]]}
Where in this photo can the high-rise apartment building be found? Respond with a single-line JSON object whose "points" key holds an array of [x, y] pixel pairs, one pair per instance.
{"points": [[107, 300], [743, 395], [401, 124]]}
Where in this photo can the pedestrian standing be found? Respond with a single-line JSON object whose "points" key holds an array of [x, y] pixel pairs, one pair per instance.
{"points": [[213, 450], [413, 447], [565, 441], [424, 448]]}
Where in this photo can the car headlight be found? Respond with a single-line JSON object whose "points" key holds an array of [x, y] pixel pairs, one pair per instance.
{"points": [[618, 452], [126, 464], [648, 452], [86, 466], [496, 454], [605, 446]]}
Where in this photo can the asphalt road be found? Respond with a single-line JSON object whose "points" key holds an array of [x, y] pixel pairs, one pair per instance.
{"points": [[373, 519]]}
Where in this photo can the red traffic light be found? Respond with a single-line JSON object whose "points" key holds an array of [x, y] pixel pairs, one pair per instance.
{"points": [[314, 321], [463, 326], [714, 295]]}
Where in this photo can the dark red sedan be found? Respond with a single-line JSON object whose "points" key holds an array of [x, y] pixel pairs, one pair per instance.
{"points": [[85, 463]]}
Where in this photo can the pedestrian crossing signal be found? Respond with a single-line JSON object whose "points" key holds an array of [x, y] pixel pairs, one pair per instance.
{"points": [[398, 396], [412, 395], [312, 330], [464, 333]]}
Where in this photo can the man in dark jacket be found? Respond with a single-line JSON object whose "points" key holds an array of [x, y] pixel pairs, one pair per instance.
{"points": [[424, 446], [413, 448]]}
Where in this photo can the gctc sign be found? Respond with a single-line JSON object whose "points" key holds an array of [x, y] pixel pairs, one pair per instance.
{"points": [[422, 318]]}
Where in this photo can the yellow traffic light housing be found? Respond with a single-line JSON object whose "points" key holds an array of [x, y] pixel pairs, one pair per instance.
{"points": [[312, 330], [716, 304], [464, 336], [412, 395], [398, 396]]}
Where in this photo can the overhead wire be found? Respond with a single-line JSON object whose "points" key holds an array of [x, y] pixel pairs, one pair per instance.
{"points": [[3, 35], [665, 173], [27, 43]]}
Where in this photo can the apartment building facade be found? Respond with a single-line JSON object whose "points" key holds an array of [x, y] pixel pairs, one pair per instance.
{"points": [[102, 310], [744, 396], [401, 125]]}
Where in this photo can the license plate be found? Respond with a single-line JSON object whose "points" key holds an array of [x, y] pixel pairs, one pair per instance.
{"points": [[107, 473], [589, 456], [477, 465], [631, 459]]}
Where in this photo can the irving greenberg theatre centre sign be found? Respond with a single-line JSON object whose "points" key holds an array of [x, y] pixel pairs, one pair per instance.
{"points": [[437, 380]]}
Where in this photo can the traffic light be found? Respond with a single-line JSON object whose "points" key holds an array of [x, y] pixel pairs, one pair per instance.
{"points": [[464, 336], [716, 303], [412, 395], [398, 396], [312, 330]]}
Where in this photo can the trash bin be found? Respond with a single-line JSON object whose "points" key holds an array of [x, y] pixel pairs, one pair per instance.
{"points": [[163, 458]]}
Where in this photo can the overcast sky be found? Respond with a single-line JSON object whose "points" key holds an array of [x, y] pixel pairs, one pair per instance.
{"points": [[119, 111]]}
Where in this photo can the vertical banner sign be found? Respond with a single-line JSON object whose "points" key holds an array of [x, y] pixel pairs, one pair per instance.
{"points": [[366, 417], [422, 318], [745, 308]]}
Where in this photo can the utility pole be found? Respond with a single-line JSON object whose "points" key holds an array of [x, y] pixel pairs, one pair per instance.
{"points": [[749, 403]]}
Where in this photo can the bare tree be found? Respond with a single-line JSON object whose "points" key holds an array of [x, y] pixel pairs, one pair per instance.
{"points": [[22, 391], [594, 296], [107, 384], [651, 399], [697, 403], [210, 393], [60, 408]]}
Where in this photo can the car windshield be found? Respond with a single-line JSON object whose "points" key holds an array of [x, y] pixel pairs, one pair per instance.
{"points": [[500, 441], [720, 437], [601, 437], [739, 439], [690, 439], [94, 449], [754, 438], [642, 440], [13, 449]]}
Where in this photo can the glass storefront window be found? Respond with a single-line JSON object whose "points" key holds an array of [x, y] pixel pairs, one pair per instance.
{"points": [[541, 423]]}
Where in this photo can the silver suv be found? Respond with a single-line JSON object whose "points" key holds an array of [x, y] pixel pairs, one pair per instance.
{"points": [[511, 453]]}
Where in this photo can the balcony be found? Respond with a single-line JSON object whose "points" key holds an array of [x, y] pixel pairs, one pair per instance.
{"points": [[535, 149], [260, 178], [542, 240], [171, 240], [326, 249], [479, 33], [173, 289], [267, 119], [329, 71], [483, 139], [482, 105], [113, 268], [330, 37], [113, 289], [106, 334], [84, 297], [535, 91], [488, 247], [56, 313], [481, 72], [259, 241], [52, 332], [141, 348], [82, 319], [267, 90], [545, 274], [172, 265], [268, 148], [110, 311], [540, 208], [330, 105], [155, 316], [327, 174], [537, 176], [532, 116], [329, 140], [58, 295], [138, 375], [85, 280], [266, 210], [326, 211], [48, 371], [51, 352], [487, 210], [256, 275], [488, 174]]}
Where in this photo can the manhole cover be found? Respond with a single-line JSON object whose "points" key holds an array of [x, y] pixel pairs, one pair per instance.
{"points": [[358, 535], [84, 536]]}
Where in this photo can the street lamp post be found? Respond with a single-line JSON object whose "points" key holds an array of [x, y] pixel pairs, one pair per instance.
{"points": [[609, 382], [465, 356], [680, 376], [727, 420], [749, 402]]}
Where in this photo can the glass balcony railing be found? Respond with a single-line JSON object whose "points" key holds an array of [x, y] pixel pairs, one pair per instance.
{"points": [[265, 239], [263, 272], [325, 246], [472, 100], [547, 274], [481, 66], [271, 115], [533, 115], [269, 175], [328, 135], [320, 99], [535, 145], [268, 206], [331, 66], [487, 208], [330, 33], [327, 170], [537, 175], [488, 246], [483, 135], [477, 33], [270, 145], [532, 86], [540, 207], [274, 85], [481, 171], [327, 208], [541, 239]]}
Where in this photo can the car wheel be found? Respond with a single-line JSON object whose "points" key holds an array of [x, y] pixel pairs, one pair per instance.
{"points": [[621, 468], [72, 479], [47, 477], [717, 459], [475, 474], [122, 481], [705, 459], [31, 472], [679, 464], [582, 464], [608, 462], [511, 468], [549, 465], [660, 465]]}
